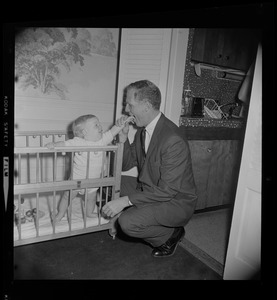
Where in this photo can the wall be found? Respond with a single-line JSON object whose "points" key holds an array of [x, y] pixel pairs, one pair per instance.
{"points": [[63, 73], [208, 85]]}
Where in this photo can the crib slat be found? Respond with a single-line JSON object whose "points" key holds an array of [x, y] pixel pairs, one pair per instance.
{"points": [[70, 209], [100, 206], [71, 162], [103, 163], [37, 168], [54, 212], [41, 161], [19, 216], [55, 166], [85, 209], [109, 163], [117, 170], [88, 161], [37, 214], [41, 140], [19, 168]]}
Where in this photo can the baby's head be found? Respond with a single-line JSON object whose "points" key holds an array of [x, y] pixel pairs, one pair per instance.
{"points": [[87, 127]]}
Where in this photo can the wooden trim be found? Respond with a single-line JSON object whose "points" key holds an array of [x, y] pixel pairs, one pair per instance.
{"points": [[202, 256]]}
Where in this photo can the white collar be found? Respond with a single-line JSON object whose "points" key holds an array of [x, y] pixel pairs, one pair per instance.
{"points": [[151, 126]]}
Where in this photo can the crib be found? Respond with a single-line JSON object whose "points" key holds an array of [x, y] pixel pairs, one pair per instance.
{"points": [[41, 176]]}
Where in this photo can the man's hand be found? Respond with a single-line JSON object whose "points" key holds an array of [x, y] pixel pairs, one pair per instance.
{"points": [[123, 134], [114, 207]]}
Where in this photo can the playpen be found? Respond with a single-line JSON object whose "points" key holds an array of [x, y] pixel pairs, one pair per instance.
{"points": [[41, 176]]}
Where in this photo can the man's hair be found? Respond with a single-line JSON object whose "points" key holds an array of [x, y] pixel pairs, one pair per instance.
{"points": [[79, 124], [147, 90]]}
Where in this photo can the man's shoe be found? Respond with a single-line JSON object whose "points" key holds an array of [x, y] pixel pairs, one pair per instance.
{"points": [[168, 248]]}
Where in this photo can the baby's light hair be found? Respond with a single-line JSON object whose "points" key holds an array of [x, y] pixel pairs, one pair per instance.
{"points": [[79, 124]]}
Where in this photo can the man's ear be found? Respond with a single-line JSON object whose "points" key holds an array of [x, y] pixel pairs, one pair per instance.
{"points": [[147, 105]]}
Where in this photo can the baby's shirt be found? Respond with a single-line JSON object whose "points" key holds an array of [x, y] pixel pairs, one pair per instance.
{"points": [[96, 157]]}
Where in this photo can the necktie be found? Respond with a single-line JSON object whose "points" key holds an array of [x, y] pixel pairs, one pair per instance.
{"points": [[142, 140]]}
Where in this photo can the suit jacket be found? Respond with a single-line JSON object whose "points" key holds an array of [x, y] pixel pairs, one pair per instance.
{"points": [[166, 175]]}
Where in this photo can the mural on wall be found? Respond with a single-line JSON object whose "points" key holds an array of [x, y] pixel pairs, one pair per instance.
{"points": [[66, 63]]}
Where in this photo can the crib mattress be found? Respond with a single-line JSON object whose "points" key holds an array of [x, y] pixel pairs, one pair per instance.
{"points": [[45, 225]]}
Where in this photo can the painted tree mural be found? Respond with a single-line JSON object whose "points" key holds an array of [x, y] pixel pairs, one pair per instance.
{"points": [[42, 53]]}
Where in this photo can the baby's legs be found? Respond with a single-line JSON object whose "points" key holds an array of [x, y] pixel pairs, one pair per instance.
{"points": [[63, 204], [91, 202]]}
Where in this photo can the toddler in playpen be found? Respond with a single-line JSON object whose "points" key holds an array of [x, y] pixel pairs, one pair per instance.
{"points": [[87, 131]]}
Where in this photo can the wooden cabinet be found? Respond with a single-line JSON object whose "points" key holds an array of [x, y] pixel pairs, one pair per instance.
{"points": [[215, 166], [233, 48]]}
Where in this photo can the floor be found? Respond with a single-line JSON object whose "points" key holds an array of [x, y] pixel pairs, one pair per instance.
{"points": [[98, 256], [207, 236]]}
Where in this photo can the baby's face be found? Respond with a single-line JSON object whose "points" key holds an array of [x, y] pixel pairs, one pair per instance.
{"points": [[93, 130]]}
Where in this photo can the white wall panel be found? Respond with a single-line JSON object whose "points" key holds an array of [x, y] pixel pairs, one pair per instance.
{"points": [[144, 54]]}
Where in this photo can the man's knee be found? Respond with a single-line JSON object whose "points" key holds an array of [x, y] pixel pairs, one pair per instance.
{"points": [[125, 222]]}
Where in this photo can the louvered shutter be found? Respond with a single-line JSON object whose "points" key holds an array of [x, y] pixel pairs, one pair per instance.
{"points": [[144, 54]]}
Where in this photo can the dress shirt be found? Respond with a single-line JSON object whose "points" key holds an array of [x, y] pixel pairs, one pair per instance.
{"points": [[149, 129]]}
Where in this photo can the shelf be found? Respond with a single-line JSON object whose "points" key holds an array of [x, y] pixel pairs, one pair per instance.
{"points": [[209, 122]]}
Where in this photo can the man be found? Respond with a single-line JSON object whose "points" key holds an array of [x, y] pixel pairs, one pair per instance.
{"points": [[162, 199]]}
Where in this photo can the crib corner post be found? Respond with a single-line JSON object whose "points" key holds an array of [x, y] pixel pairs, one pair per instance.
{"points": [[114, 224]]}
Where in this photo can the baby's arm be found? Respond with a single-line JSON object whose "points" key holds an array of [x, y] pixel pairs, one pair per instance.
{"points": [[52, 145], [120, 123]]}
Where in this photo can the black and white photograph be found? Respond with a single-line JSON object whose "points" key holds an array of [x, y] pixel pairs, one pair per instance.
{"points": [[135, 152]]}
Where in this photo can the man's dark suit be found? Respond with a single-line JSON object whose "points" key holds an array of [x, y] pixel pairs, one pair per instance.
{"points": [[168, 187]]}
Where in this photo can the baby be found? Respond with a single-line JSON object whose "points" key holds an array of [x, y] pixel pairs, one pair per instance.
{"points": [[87, 131]]}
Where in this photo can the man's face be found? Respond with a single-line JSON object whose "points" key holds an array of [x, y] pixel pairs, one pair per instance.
{"points": [[136, 108]]}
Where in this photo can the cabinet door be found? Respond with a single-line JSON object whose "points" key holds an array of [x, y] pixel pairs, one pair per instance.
{"points": [[223, 173], [207, 45], [226, 47], [215, 167], [201, 156], [239, 48]]}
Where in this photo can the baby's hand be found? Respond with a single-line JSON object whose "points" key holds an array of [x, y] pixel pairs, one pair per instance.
{"points": [[50, 145], [130, 119], [124, 120]]}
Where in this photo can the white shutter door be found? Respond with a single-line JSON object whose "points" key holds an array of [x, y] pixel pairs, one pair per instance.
{"points": [[144, 54]]}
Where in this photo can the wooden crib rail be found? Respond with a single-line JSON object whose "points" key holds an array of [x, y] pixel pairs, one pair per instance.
{"points": [[34, 150], [63, 185], [40, 137], [38, 152], [38, 133]]}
